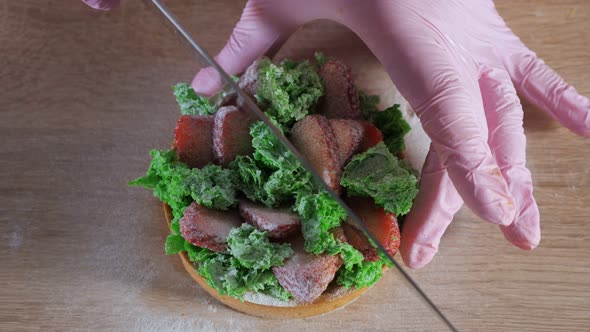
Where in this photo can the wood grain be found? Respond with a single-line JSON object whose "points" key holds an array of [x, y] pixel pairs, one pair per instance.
{"points": [[84, 95]]}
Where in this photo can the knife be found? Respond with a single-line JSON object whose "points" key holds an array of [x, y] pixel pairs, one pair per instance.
{"points": [[252, 107]]}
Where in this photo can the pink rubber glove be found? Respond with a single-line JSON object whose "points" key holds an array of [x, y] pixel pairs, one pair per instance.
{"points": [[459, 66]]}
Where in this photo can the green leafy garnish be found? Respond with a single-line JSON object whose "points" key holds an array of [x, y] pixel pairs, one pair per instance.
{"points": [[288, 91], [272, 174], [319, 213], [247, 266], [174, 244], [212, 186], [363, 274], [390, 122], [368, 103], [254, 251], [378, 174], [198, 254], [190, 102], [392, 125], [178, 185], [167, 177], [321, 59]]}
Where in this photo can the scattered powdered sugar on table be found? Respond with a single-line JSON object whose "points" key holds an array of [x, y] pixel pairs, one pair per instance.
{"points": [[15, 238], [148, 320], [144, 289]]}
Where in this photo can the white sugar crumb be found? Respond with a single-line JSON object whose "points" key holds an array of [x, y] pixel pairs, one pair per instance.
{"points": [[147, 322], [264, 299], [15, 239]]}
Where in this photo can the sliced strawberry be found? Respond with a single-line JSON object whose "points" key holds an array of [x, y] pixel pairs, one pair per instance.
{"points": [[249, 80], [357, 239], [341, 99], [231, 134], [373, 136], [278, 223], [208, 228], [314, 138], [348, 134], [306, 276], [193, 140], [383, 226]]}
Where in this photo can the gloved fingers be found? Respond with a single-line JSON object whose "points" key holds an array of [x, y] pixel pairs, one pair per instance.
{"points": [[102, 4], [508, 144], [449, 117], [441, 91], [541, 85], [255, 35], [433, 210]]}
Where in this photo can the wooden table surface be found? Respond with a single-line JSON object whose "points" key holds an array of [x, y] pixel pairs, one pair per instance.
{"points": [[84, 95]]}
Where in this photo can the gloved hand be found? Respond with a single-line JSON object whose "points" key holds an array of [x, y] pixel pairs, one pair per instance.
{"points": [[459, 66]]}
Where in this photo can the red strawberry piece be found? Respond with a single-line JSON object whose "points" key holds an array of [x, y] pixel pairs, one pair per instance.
{"points": [[356, 238], [231, 134], [208, 228], [278, 223], [306, 276], [193, 140], [341, 99], [314, 138], [383, 226], [373, 136], [348, 134], [249, 80]]}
